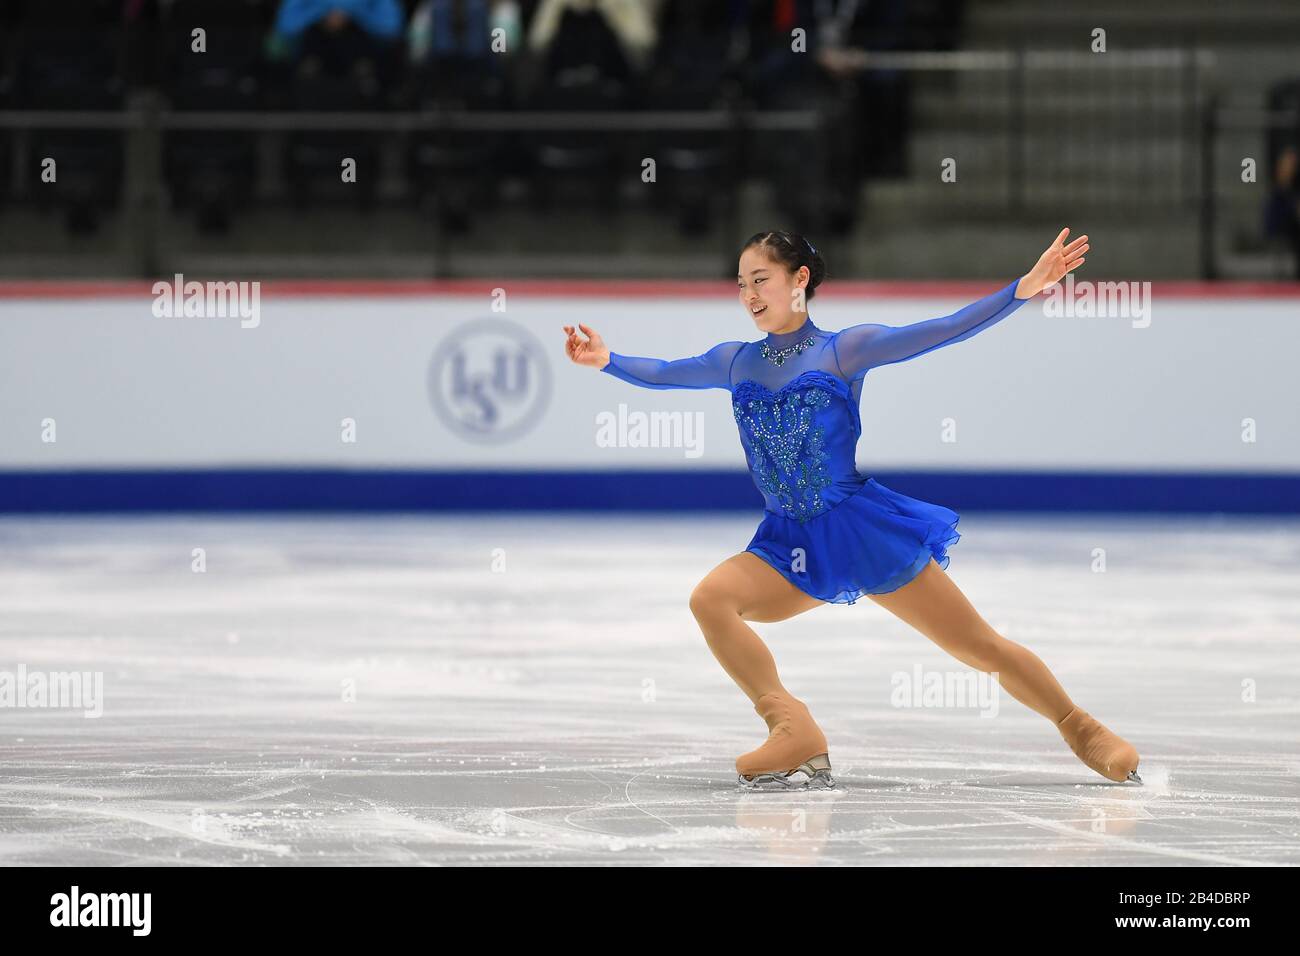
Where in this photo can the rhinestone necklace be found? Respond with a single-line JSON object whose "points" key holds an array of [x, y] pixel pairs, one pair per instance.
{"points": [[777, 356]]}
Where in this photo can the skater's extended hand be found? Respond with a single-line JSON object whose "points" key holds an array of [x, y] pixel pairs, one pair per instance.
{"points": [[1052, 265], [591, 352]]}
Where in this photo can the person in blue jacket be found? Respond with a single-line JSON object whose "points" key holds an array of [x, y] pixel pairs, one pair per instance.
{"points": [[341, 34], [829, 534], [379, 18]]}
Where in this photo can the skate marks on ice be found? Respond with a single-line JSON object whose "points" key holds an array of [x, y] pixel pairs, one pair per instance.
{"points": [[565, 710]]}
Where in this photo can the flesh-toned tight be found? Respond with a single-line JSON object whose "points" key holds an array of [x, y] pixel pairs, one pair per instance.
{"points": [[746, 588]]}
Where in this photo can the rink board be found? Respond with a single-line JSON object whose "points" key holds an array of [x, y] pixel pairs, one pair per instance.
{"points": [[460, 396]]}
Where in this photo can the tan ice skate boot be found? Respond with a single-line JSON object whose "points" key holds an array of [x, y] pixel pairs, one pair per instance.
{"points": [[1111, 756], [794, 757]]}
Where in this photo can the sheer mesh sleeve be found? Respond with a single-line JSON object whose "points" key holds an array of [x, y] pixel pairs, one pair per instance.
{"points": [[710, 370], [862, 347]]}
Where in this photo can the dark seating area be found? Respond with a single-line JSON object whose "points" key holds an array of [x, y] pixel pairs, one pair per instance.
{"points": [[70, 56], [211, 172], [440, 58]]}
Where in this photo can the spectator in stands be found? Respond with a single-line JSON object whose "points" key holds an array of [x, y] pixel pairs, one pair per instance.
{"points": [[461, 29], [335, 36], [1282, 209], [696, 62], [846, 32], [379, 18], [775, 74], [630, 21]]}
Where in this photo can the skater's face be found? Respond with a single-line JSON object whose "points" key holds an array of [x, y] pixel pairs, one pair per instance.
{"points": [[770, 294]]}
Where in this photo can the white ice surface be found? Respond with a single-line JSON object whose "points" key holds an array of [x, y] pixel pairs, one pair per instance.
{"points": [[564, 708]]}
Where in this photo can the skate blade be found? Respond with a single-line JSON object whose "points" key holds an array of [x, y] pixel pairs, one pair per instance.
{"points": [[814, 774], [1133, 775]]}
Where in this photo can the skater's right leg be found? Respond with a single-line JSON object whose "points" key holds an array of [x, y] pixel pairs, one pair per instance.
{"points": [[746, 588]]}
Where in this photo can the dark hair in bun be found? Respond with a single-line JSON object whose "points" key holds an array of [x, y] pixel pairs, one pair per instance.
{"points": [[792, 251]]}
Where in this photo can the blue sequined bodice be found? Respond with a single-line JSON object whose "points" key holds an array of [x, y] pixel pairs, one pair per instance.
{"points": [[800, 442], [795, 395]]}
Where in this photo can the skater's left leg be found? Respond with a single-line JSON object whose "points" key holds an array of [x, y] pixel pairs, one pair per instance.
{"points": [[934, 605]]}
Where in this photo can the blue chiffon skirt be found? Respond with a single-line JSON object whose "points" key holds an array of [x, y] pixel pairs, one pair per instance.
{"points": [[872, 542]]}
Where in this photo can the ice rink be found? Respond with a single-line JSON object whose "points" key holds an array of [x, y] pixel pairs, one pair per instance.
{"points": [[526, 689]]}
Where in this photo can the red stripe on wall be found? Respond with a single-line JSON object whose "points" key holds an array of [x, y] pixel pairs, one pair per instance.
{"points": [[610, 288]]}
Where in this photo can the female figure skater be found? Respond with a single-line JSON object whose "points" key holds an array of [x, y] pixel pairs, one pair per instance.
{"points": [[828, 534]]}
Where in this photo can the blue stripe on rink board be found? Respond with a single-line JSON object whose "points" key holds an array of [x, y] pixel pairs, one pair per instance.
{"points": [[348, 490]]}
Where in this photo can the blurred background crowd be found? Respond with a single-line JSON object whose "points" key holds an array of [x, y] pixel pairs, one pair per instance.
{"points": [[514, 134]]}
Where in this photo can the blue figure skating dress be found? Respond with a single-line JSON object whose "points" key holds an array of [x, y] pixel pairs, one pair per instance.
{"points": [[827, 529]]}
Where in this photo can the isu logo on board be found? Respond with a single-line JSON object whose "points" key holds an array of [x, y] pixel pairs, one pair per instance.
{"points": [[489, 380]]}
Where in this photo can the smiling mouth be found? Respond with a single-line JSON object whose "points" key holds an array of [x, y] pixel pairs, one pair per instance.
{"points": [[759, 311]]}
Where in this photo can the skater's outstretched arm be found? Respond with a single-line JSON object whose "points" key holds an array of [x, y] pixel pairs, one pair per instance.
{"points": [[862, 347], [709, 370]]}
